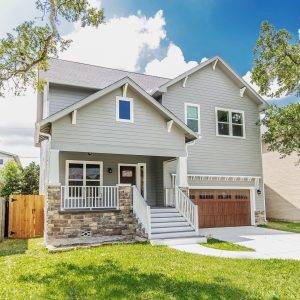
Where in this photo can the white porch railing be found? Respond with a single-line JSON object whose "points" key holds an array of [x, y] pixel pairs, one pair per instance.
{"points": [[142, 210], [89, 197], [187, 208]]}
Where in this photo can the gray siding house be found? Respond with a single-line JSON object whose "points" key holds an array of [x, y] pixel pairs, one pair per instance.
{"points": [[126, 154]]}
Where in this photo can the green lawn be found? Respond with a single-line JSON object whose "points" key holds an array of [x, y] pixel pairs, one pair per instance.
{"points": [[282, 225], [139, 271], [222, 245]]}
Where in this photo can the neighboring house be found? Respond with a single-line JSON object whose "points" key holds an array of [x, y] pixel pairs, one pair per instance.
{"points": [[282, 185], [6, 156], [121, 151]]}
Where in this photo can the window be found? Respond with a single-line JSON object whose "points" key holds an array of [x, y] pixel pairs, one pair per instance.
{"points": [[192, 116], [230, 123], [1, 162], [83, 173], [124, 109]]}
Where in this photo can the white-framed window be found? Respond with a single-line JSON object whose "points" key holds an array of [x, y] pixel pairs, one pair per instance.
{"points": [[84, 173], [192, 116], [230, 123], [124, 109]]}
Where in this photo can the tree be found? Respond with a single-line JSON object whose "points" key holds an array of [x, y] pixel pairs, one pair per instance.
{"points": [[30, 180], [283, 129], [278, 60], [11, 176], [29, 47]]}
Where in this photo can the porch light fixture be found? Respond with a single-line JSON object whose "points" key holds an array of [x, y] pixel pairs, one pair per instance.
{"points": [[109, 170], [258, 192]]}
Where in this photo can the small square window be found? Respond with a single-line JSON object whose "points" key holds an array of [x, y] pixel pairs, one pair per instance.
{"points": [[124, 109]]}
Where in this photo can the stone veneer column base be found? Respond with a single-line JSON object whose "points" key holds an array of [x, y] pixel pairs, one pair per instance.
{"points": [[88, 227], [260, 217]]}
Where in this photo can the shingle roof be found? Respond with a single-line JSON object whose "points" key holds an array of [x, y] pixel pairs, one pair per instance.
{"points": [[84, 75]]}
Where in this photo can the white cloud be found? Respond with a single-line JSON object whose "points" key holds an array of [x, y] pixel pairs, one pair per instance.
{"points": [[170, 66], [118, 43]]}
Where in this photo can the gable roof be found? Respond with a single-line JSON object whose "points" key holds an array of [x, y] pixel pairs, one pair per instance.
{"points": [[190, 135], [84, 75], [218, 60], [14, 156]]}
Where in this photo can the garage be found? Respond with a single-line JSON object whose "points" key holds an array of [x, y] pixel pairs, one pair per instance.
{"points": [[222, 207]]}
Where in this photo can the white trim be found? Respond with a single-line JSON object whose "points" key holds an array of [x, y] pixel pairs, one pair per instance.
{"points": [[169, 125], [125, 86], [215, 64], [74, 117], [184, 81], [230, 111], [242, 91], [84, 163], [186, 104], [251, 191], [130, 100]]}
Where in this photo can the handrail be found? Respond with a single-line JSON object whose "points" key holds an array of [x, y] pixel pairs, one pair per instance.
{"points": [[89, 197], [142, 210], [187, 208]]}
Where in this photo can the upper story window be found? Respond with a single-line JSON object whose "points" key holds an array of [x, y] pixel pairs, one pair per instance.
{"points": [[230, 123], [1, 161], [192, 116], [124, 109]]}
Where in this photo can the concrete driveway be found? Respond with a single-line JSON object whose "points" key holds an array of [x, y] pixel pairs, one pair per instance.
{"points": [[268, 243]]}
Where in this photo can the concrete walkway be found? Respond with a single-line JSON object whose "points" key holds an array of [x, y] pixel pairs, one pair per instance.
{"points": [[267, 243]]}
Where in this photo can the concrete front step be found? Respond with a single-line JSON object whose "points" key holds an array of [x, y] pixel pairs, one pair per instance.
{"points": [[178, 241], [163, 210], [169, 224], [165, 215], [171, 219], [167, 235], [171, 229]]}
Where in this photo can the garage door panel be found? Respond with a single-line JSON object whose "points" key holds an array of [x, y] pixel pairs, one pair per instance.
{"points": [[219, 208]]}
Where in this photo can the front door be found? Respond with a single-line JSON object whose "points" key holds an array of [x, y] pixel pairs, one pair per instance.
{"points": [[128, 175]]}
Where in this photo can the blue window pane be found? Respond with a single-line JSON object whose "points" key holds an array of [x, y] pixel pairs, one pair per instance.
{"points": [[124, 110], [1, 161]]}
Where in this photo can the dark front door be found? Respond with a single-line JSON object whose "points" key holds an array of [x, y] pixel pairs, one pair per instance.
{"points": [[127, 174]]}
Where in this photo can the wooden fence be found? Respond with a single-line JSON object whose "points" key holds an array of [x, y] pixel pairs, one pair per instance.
{"points": [[26, 216], [2, 218]]}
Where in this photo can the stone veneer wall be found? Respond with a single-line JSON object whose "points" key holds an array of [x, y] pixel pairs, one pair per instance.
{"points": [[260, 217], [85, 227]]}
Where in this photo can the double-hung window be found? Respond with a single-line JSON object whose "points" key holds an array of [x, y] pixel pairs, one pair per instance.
{"points": [[192, 116], [124, 109], [84, 173], [230, 122]]}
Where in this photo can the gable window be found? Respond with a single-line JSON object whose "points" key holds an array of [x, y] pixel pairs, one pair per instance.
{"points": [[192, 116], [124, 109], [230, 123]]}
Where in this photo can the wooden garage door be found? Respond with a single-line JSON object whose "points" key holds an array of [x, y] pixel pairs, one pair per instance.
{"points": [[219, 208]]}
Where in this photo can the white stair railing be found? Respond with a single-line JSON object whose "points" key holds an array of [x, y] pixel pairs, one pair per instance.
{"points": [[187, 208], [142, 210]]}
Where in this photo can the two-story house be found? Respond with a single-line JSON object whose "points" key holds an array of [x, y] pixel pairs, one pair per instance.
{"points": [[126, 154], [6, 156]]}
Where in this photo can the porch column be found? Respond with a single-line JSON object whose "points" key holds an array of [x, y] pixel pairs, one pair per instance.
{"points": [[53, 166], [181, 172]]}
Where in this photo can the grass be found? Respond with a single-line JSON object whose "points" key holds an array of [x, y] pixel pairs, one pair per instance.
{"points": [[222, 245], [139, 271], [282, 225]]}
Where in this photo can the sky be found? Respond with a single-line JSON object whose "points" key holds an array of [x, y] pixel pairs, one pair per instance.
{"points": [[157, 37]]}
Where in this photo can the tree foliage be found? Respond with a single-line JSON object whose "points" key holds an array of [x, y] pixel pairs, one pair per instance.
{"points": [[11, 177], [277, 60], [30, 180], [16, 180], [28, 48], [283, 129]]}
